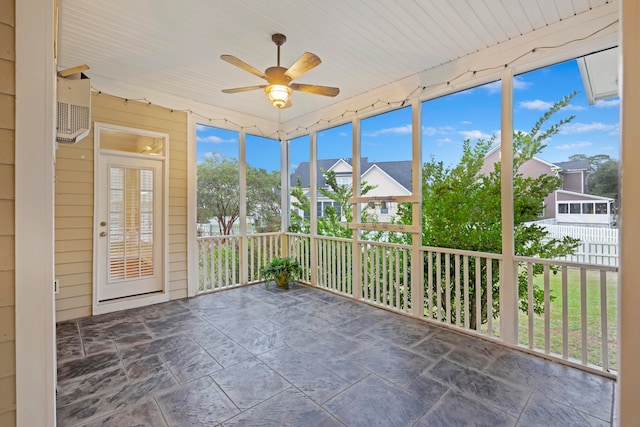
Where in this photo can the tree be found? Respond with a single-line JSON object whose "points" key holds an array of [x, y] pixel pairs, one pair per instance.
{"points": [[462, 210], [219, 194], [604, 180], [603, 177], [330, 224]]}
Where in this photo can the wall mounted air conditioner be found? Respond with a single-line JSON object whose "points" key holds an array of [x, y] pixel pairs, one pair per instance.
{"points": [[74, 108]]}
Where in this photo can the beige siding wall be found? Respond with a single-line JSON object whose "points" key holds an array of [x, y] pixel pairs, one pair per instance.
{"points": [[74, 202], [7, 210]]}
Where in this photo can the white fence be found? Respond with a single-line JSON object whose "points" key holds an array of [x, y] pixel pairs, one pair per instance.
{"points": [[597, 245]]}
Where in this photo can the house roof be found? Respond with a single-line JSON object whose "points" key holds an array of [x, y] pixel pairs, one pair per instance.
{"points": [[574, 165], [398, 170], [583, 196]]}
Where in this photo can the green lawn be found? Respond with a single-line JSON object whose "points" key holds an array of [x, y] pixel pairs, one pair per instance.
{"points": [[594, 327]]}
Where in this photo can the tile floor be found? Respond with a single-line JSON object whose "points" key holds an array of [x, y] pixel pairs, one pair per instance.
{"points": [[305, 357]]}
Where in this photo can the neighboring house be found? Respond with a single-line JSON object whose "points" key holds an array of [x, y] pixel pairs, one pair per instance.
{"points": [[388, 178], [570, 203]]}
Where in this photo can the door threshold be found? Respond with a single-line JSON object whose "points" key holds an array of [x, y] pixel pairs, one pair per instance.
{"points": [[126, 303]]}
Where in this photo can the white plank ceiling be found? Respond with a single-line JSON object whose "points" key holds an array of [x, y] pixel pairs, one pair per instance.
{"points": [[174, 47]]}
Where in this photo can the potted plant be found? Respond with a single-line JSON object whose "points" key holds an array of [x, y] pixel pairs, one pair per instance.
{"points": [[282, 270]]}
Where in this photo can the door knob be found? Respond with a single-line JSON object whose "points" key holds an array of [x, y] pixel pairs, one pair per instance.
{"points": [[103, 233], [103, 223]]}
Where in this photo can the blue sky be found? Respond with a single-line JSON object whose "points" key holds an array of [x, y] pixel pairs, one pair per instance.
{"points": [[447, 121]]}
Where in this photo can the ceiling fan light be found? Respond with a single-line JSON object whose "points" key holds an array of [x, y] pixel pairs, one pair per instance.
{"points": [[279, 95]]}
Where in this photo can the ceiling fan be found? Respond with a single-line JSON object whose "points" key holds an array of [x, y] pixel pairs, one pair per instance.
{"points": [[279, 79]]}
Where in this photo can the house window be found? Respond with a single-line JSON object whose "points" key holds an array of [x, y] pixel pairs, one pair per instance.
{"points": [[563, 208], [587, 208], [384, 208], [574, 208], [344, 181], [601, 209]]}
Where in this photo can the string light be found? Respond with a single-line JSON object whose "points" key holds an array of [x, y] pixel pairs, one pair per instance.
{"points": [[369, 107]]}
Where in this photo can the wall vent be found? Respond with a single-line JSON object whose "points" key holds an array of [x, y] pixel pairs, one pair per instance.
{"points": [[74, 108]]}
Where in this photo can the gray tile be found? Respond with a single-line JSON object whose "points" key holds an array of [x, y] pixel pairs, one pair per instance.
{"points": [[67, 329], [500, 394], [591, 394], [146, 414], [374, 401], [144, 368], [554, 414], [93, 345], [249, 383], [227, 352], [199, 403], [89, 409], [207, 336], [190, 362], [344, 311], [455, 410], [359, 325], [128, 340], [255, 341], [158, 345], [348, 370], [588, 393], [432, 348], [92, 385], [324, 345], [290, 408], [406, 335], [114, 327], [469, 351], [396, 364], [68, 347], [170, 325], [313, 380], [427, 389], [157, 311], [76, 368]]}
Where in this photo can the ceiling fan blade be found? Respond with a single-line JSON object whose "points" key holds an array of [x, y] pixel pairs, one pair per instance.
{"points": [[318, 90], [241, 64], [243, 89], [305, 63]]}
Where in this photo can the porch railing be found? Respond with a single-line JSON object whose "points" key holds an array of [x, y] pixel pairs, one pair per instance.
{"points": [[219, 261], [578, 316], [569, 313]]}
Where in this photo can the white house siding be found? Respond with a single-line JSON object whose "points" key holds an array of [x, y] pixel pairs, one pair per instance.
{"points": [[74, 202]]}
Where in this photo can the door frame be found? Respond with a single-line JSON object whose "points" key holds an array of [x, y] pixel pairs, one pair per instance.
{"points": [[137, 300]]}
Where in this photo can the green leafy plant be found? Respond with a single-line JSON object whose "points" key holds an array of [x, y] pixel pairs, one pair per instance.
{"points": [[282, 271]]}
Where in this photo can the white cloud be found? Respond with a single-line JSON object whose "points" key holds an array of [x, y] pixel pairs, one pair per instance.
{"points": [[607, 103], [573, 128], [474, 134], [343, 134], [520, 83], [493, 87], [212, 139], [536, 104], [444, 140], [440, 130], [568, 147], [465, 122], [398, 130]]}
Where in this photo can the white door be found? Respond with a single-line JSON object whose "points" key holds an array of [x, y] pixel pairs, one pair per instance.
{"points": [[129, 226]]}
